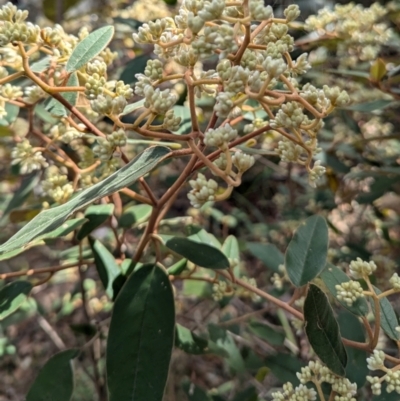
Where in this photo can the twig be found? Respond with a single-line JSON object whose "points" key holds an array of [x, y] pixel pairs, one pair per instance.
{"points": [[53, 269]]}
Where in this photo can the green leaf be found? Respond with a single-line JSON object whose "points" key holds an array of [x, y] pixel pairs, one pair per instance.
{"points": [[350, 73], [133, 215], [185, 126], [267, 333], [389, 320], [12, 114], [189, 342], [106, 266], [55, 380], [200, 254], [132, 23], [224, 340], [55, 108], [96, 216], [230, 247], [41, 112], [89, 48], [332, 276], [51, 219], [41, 65], [132, 107], [63, 230], [306, 254], [141, 337], [133, 67], [20, 195], [323, 331], [285, 367], [205, 237], [371, 106], [177, 268], [12, 296], [352, 329], [269, 254]]}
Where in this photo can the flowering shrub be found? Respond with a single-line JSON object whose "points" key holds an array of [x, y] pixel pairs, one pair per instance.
{"points": [[107, 160]]}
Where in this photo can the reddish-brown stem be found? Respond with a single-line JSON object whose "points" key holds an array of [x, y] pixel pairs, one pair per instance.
{"points": [[136, 196], [148, 190], [52, 269]]}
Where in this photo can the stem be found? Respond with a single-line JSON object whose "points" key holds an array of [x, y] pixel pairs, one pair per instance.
{"points": [[265, 295], [319, 390], [191, 97], [52, 269], [211, 165], [148, 190], [136, 196], [11, 77], [377, 307]]}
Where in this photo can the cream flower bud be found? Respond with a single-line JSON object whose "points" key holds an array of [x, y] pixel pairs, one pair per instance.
{"points": [[291, 12], [242, 161], [395, 281], [117, 138], [96, 67], [224, 104], [203, 190], [154, 69], [336, 96], [212, 10], [171, 122], [274, 66], [349, 292], [195, 23], [24, 155], [376, 361], [104, 149], [258, 11], [316, 173], [376, 385], [220, 137], [359, 269]]}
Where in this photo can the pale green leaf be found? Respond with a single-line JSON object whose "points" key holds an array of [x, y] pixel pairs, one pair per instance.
{"points": [[89, 48], [51, 219], [55, 107]]}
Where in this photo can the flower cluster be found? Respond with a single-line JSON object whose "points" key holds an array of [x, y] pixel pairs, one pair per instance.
{"points": [[244, 73], [317, 373], [220, 137], [203, 190], [360, 269], [27, 157], [391, 376], [223, 289], [56, 185], [359, 30], [349, 292], [299, 393]]}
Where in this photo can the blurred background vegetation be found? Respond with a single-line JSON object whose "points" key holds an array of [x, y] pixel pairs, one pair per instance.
{"points": [[360, 198]]}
